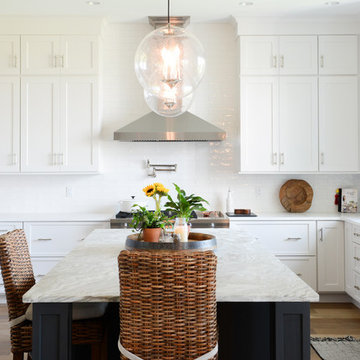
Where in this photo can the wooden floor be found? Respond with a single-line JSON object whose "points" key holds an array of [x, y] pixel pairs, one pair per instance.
{"points": [[326, 320]]}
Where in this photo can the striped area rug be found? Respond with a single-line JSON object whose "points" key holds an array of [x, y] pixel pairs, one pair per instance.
{"points": [[346, 348]]}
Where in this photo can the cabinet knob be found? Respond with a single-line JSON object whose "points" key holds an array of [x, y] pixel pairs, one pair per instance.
{"points": [[282, 61], [322, 157], [299, 274], [321, 234], [282, 158], [322, 61], [293, 239], [356, 258], [274, 158], [274, 61], [356, 287]]}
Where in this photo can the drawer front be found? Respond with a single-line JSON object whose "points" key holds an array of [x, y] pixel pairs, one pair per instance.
{"points": [[9, 226], [58, 238], [304, 267], [356, 289], [355, 234], [42, 266], [283, 238], [356, 256]]}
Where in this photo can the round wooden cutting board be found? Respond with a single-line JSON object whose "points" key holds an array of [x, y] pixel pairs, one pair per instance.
{"points": [[296, 196]]}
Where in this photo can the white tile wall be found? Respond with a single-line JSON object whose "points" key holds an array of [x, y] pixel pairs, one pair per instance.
{"points": [[203, 168]]}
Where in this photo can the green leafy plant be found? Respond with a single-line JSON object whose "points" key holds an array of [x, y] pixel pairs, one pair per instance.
{"points": [[144, 219], [185, 204]]}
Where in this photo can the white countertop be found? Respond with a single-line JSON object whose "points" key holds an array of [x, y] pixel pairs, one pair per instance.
{"points": [[246, 272], [285, 216], [68, 216]]}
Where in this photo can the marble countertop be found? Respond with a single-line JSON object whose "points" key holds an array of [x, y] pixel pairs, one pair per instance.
{"points": [[246, 272]]}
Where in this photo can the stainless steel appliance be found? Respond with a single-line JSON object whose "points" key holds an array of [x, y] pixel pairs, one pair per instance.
{"points": [[199, 220]]}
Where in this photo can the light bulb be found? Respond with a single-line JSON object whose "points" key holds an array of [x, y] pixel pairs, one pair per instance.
{"points": [[169, 103], [171, 56]]}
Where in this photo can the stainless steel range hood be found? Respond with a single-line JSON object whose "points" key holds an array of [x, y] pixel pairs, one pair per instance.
{"points": [[153, 127]]}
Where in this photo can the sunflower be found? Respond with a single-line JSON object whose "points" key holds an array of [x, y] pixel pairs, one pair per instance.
{"points": [[161, 190], [149, 190]]}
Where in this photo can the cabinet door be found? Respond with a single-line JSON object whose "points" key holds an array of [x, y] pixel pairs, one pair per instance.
{"points": [[338, 123], [80, 55], [338, 55], [331, 256], [40, 55], [259, 55], [9, 55], [303, 267], [40, 126], [298, 55], [298, 124], [259, 116], [79, 124], [10, 124]]}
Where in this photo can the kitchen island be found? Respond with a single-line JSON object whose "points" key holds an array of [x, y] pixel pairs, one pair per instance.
{"points": [[263, 307]]}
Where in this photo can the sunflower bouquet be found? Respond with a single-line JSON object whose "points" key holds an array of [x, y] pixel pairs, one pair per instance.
{"points": [[156, 191]]}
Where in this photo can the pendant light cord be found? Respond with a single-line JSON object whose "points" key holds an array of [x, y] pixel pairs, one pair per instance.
{"points": [[168, 12]]}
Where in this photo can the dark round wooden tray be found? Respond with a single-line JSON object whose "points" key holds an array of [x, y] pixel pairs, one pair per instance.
{"points": [[197, 241]]}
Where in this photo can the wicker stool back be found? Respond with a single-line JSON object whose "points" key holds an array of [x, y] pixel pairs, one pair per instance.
{"points": [[168, 304]]}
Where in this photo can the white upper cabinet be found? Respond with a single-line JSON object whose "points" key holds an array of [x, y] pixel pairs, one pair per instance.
{"points": [[298, 55], [40, 125], [9, 55], [331, 257], [259, 55], [50, 55], [273, 55], [80, 55], [79, 124], [298, 124], [338, 123], [40, 55], [259, 124], [9, 124], [338, 55]]}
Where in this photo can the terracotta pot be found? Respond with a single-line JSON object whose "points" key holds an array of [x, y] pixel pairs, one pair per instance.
{"points": [[152, 235]]}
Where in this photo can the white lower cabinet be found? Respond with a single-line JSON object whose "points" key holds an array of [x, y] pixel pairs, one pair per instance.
{"points": [[58, 238], [302, 266], [331, 260], [352, 261]]}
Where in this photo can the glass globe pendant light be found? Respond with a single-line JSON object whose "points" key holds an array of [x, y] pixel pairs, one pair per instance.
{"points": [[169, 64]]}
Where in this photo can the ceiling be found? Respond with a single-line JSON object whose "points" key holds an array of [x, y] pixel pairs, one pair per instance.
{"points": [[199, 10]]}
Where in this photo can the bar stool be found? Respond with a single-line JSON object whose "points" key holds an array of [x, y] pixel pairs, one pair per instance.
{"points": [[18, 276], [168, 305]]}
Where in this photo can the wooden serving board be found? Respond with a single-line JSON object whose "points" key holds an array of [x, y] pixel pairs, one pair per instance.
{"points": [[296, 196]]}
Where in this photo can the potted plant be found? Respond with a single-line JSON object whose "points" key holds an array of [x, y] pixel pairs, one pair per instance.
{"points": [[149, 223], [182, 209]]}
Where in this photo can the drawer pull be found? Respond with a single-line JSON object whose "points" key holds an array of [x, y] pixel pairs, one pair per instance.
{"points": [[44, 239], [299, 274], [356, 234], [356, 287], [293, 238], [82, 239], [4, 230], [356, 258]]}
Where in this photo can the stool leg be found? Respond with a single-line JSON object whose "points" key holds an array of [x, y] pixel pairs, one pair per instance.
{"points": [[96, 351], [18, 356]]}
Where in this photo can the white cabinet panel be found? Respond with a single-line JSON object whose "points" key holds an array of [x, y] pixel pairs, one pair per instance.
{"points": [[9, 55], [9, 124], [298, 124], [338, 123], [259, 55], [9, 226], [40, 55], [41, 266], [304, 267], [331, 256], [79, 124], [298, 55], [283, 238], [259, 124], [80, 55], [40, 124], [338, 55], [58, 238]]}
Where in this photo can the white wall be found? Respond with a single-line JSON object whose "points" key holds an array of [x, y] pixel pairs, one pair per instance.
{"points": [[203, 168]]}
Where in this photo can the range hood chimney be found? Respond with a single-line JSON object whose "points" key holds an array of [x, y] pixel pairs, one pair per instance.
{"points": [[186, 127]]}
